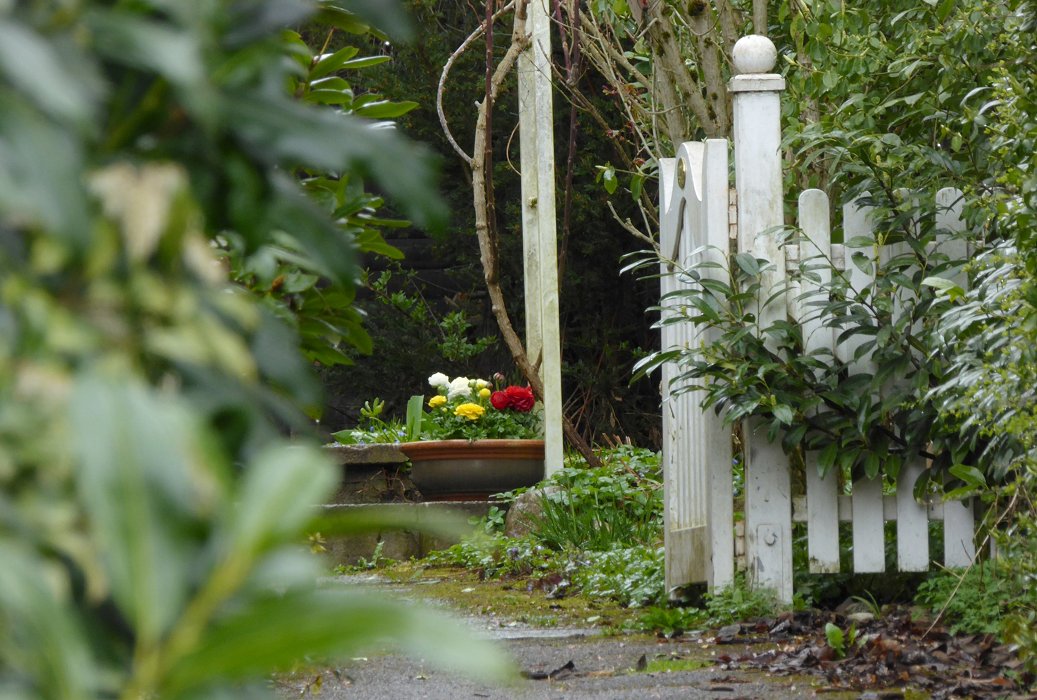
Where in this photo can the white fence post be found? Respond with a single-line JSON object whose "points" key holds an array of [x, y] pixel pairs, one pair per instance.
{"points": [[757, 133]]}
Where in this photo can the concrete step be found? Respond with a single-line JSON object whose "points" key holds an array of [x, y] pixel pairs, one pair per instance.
{"points": [[398, 544], [375, 477]]}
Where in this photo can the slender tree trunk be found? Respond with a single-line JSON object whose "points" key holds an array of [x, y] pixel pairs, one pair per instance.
{"points": [[760, 17]]}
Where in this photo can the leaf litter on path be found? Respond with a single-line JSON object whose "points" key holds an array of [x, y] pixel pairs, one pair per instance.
{"points": [[891, 651]]}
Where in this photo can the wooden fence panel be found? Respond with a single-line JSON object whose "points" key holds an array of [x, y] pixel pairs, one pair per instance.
{"points": [[696, 452]]}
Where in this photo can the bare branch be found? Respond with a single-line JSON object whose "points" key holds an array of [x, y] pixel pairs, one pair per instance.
{"points": [[633, 230], [441, 88]]}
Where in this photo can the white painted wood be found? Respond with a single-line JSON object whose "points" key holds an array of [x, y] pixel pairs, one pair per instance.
{"points": [[822, 504], [815, 250], [539, 238], [959, 538], [949, 203], [758, 181], [684, 516], [717, 436], [768, 512], [700, 540], [677, 552], [959, 521], [912, 521], [934, 509], [697, 452], [868, 534], [857, 223]]}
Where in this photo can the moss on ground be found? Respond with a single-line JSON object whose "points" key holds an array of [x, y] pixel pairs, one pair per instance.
{"points": [[511, 600]]}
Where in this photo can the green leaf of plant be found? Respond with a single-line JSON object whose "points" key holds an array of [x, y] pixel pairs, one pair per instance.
{"points": [[275, 632], [384, 109], [415, 416], [972, 477], [63, 88], [748, 263], [332, 62], [364, 62], [387, 15], [637, 182], [871, 465], [834, 636], [34, 184], [784, 413], [951, 289], [280, 490], [286, 133], [143, 488], [50, 646], [175, 54]]}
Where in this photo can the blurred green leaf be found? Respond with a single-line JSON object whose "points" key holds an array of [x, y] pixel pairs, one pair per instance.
{"points": [[61, 81], [276, 631], [387, 15], [278, 495], [145, 480], [282, 132], [43, 641]]}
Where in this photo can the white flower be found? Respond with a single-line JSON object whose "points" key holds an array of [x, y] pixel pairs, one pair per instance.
{"points": [[481, 384], [438, 379], [460, 386]]}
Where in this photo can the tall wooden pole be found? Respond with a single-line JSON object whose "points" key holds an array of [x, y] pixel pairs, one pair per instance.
{"points": [[539, 238]]}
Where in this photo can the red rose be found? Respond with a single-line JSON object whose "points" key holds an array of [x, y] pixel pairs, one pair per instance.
{"points": [[499, 400], [520, 398]]}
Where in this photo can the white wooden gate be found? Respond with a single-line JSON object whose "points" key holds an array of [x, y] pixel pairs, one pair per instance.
{"points": [[697, 459]]}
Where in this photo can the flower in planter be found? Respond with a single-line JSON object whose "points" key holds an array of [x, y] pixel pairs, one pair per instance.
{"points": [[473, 409]]}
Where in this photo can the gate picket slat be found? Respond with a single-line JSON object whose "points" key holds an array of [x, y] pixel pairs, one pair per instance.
{"points": [[822, 519], [869, 555], [815, 252], [716, 443], [912, 522], [959, 528], [678, 558]]}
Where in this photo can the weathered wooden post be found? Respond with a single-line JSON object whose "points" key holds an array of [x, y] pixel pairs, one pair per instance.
{"points": [[756, 96], [539, 238]]}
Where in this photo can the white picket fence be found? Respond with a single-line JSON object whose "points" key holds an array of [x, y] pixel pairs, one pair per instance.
{"points": [[697, 450]]}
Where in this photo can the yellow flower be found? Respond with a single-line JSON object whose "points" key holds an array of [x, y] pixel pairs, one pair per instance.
{"points": [[484, 393], [437, 400], [471, 411]]}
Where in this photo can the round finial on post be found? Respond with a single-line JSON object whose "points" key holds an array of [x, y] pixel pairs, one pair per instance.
{"points": [[754, 54]]}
